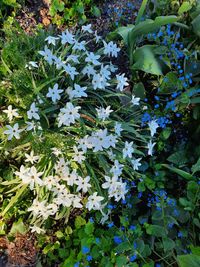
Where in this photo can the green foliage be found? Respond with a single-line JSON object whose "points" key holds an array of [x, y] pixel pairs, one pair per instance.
{"points": [[63, 11]]}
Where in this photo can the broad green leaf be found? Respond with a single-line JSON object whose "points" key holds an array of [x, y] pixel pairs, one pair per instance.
{"points": [[179, 158], [89, 228], [121, 261], [79, 221], [188, 260], [18, 227], [139, 90], [146, 27], [184, 174], [145, 59], [168, 244], [195, 25], [185, 7], [156, 230]]}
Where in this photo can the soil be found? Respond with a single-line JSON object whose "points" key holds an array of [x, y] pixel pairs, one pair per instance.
{"points": [[113, 13]]}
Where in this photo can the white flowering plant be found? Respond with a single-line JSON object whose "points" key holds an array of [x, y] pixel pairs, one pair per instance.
{"points": [[70, 134]]}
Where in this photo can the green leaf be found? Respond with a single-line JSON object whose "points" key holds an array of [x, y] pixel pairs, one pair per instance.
{"points": [[14, 199], [18, 227], [121, 248], [168, 244], [89, 228], [184, 174], [95, 11], [185, 7], [146, 60], [188, 260], [141, 11], [121, 261], [166, 133], [139, 90], [146, 27], [79, 221], [156, 230], [178, 158], [195, 25]]}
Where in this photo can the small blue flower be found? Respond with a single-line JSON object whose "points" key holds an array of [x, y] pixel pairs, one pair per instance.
{"points": [[77, 264], [89, 258], [117, 240], [132, 227], [110, 225], [85, 250], [133, 258]]}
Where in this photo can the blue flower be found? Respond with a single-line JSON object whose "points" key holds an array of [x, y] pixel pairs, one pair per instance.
{"points": [[132, 227], [117, 240], [110, 225], [89, 258], [133, 258], [85, 250], [77, 264]]}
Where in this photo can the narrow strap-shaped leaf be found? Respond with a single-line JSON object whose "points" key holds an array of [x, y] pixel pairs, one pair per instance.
{"points": [[14, 199]]}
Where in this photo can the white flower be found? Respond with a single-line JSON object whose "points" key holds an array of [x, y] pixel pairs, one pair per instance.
{"points": [[78, 156], [77, 92], [85, 143], [73, 58], [128, 150], [135, 101], [33, 112], [68, 114], [89, 70], [150, 147], [136, 163], [51, 40], [32, 125], [31, 64], [83, 184], [71, 71], [99, 82], [49, 182], [67, 37], [80, 46], [56, 151], [117, 168], [92, 58], [58, 62], [121, 82], [47, 54], [94, 202], [76, 202], [118, 128], [105, 72], [32, 177], [13, 131], [100, 140], [153, 125], [54, 93], [103, 113], [11, 112], [31, 158], [111, 49], [110, 182], [36, 229], [87, 28], [38, 208], [97, 37]]}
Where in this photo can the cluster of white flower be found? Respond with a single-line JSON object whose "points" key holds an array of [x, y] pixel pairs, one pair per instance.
{"points": [[84, 72]]}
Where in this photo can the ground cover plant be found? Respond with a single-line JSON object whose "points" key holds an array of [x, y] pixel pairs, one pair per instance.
{"points": [[100, 167]]}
